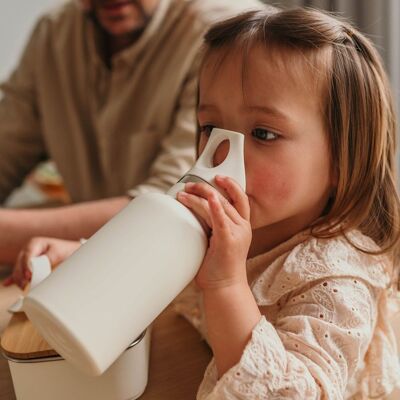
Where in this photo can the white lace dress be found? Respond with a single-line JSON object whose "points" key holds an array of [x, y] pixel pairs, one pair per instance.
{"points": [[324, 332]]}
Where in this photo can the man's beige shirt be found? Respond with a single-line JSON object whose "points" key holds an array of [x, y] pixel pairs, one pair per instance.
{"points": [[131, 127]]}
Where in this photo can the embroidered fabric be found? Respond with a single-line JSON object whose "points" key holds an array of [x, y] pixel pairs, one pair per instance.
{"points": [[324, 331]]}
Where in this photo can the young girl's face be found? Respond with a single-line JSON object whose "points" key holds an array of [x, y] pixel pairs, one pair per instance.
{"points": [[287, 157]]}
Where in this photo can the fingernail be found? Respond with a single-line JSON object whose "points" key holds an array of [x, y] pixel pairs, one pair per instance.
{"points": [[189, 185]]}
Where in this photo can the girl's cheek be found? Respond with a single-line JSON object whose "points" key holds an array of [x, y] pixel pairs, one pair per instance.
{"points": [[271, 184]]}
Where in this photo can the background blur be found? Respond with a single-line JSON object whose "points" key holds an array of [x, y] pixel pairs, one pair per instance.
{"points": [[379, 19], [16, 21]]}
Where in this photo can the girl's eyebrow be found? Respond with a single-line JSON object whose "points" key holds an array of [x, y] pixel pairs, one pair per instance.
{"points": [[271, 111]]}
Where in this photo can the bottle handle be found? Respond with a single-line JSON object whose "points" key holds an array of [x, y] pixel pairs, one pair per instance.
{"points": [[232, 166]]}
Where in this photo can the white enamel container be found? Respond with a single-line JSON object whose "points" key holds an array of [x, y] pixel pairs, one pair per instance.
{"points": [[53, 378]]}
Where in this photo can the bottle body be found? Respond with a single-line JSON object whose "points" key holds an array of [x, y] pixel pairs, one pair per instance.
{"points": [[103, 296]]}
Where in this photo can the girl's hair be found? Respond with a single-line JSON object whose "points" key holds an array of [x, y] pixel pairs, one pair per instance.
{"points": [[358, 109]]}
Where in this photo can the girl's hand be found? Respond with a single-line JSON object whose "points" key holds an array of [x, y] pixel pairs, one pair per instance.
{"points": [[57, 250], [225, 261]]}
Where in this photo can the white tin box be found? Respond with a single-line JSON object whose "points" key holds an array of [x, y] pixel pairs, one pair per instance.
{"points": [[38, 373]]}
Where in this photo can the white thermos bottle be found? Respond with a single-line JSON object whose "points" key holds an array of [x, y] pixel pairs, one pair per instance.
{"points": [[111, 289]]}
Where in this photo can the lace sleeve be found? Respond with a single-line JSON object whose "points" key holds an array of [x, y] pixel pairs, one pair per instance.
{"points": [[315, 346]]}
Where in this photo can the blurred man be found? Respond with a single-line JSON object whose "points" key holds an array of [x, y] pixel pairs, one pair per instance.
{"points": [[106, 89]]}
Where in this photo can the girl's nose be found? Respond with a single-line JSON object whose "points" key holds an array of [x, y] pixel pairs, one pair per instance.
{"points": [[221, 153]]}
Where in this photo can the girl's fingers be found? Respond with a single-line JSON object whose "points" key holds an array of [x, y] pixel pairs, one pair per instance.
{"points": [[238, 197], [217, 213], [206, 191], [199, 189], [198, 205]]}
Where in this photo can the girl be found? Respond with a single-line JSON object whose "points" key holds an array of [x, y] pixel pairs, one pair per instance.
{"points": [[319, 224], [294, 286]]}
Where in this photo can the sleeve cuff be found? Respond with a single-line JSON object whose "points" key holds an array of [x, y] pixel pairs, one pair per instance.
{"points": [[258, 362]]}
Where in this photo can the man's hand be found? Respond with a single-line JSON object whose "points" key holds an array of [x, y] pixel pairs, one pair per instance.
{"points": [[57, 250]]}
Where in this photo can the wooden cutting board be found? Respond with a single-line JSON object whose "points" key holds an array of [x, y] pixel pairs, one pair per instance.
{"points": [[22, 341]]}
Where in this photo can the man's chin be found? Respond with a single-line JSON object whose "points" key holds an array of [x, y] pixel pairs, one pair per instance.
{"points": [[121, 28]]}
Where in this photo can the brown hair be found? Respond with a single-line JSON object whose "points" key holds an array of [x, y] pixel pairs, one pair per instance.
{"points": [[358, 110]]}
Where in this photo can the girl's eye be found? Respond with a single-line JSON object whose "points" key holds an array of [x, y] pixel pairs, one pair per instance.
{"points": [[264, 134], [206, 129]]}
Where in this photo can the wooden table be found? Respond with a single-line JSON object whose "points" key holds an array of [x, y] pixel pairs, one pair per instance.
{"points": [[178, 357]]}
